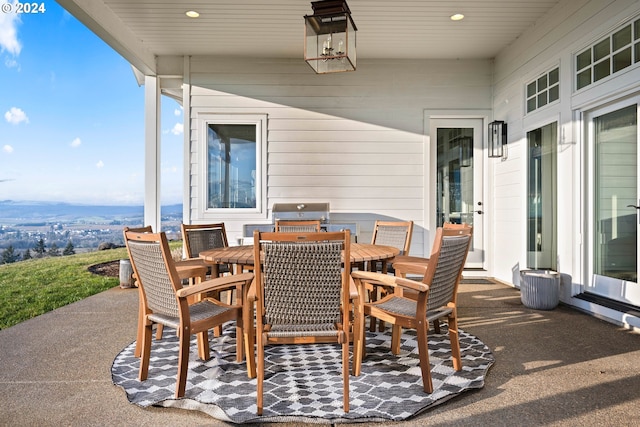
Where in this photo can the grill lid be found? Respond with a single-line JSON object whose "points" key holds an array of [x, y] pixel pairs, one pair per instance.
{"points": [[298, 211]]}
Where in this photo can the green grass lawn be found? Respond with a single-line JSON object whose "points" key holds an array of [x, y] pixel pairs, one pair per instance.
{"points": [[33, 287], [36, 286]]}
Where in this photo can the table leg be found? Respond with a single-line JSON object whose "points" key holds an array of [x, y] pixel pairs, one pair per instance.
{"points": [[202, 338]]}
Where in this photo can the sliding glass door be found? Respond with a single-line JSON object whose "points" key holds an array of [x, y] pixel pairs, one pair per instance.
{"points": [[542, 233], [615, 202]]}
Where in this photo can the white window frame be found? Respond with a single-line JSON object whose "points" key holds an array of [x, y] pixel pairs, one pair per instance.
{"points": [[595, 280], [203, 121], [538, 92], [635, 61]]}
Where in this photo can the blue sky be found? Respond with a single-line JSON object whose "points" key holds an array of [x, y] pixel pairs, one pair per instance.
{"points": [[72, 117]]}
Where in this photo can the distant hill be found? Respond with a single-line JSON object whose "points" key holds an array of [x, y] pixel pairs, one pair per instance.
{"points": [[20, 211]]}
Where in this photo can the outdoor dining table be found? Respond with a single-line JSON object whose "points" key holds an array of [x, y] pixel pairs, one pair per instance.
{"points": [[242, 257]]}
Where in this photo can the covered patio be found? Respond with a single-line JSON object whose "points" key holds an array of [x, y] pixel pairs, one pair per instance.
{"points": [[368, 142], [405, 136], [559, 367]]}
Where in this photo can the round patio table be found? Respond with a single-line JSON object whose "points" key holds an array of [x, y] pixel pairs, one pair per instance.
{"points": [[242, 256]]}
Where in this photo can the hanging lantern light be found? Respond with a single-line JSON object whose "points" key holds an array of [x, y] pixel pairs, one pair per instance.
{"points": [[330, 37]]}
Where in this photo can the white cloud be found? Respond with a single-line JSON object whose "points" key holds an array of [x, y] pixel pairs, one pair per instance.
{"points": [[7, 149], [177, 111], [16, 115], [100, 164], [76, 143], [178, 128], [12, 63], [9, 33]]}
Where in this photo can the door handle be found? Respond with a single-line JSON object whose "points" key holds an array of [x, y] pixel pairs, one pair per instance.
{"points": [[633, 206]]}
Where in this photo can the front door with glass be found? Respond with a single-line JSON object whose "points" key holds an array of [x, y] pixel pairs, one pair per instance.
{"points": [[459, 178]]}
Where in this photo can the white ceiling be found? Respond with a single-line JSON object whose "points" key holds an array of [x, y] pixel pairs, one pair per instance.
{"points": [[143, 29]]}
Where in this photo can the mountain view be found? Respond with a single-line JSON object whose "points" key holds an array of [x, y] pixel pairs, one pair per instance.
{"points": [[24, 225]]}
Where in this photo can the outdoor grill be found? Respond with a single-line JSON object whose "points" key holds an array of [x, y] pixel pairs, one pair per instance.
{"points": [[302, 211]]}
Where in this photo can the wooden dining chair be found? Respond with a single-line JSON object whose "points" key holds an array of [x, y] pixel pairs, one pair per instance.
{"points": [[200, 237], [166, 302], [301, 226], [388, 233], [415, 266], [300, 290], [434, 298], [391, 233], [187, 271]]}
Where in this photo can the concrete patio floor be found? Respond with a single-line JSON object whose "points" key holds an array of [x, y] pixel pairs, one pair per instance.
{"points": [[553, 368]]}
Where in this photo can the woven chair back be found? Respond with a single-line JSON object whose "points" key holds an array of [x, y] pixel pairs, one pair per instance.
{"points": [[153, 277], [395, 236], [453, 253], [203, 239], [302, 282]]}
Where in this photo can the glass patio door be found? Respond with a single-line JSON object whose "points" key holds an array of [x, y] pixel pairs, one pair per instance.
{"points": [[542, 216], [615, 206], [459, 178]]}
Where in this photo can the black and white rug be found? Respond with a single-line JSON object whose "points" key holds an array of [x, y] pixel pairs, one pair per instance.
{"points": [[303, 383]]}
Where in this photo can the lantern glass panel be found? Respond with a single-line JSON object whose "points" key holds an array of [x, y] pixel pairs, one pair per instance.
{"points": [[330, 43], [497, 138]]}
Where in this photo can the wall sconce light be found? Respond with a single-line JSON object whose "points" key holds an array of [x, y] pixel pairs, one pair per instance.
{"points": [[330, 37], [497, 138]]}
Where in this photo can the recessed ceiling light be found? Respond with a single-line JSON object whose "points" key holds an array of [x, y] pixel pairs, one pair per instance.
{"points": [[192, 14], [457, 17]]}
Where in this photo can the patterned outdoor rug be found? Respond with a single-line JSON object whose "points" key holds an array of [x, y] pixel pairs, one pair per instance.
{"points": [[303, 383]]}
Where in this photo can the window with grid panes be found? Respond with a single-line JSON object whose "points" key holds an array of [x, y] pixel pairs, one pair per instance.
{"points": [[616, 52], [543, 90]]}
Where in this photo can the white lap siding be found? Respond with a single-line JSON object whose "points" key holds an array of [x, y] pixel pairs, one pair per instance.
{"points": [[355, 140]]}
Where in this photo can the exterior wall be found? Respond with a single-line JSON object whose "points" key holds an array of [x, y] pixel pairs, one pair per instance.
{"points": [[358, 140], [355, 140], [569, 28]]}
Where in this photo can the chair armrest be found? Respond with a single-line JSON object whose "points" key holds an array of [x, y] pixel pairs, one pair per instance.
{"points": [[251, 293], [410, 259], [373, 277], [219, 283], [412, 284], [353, 289], [191, 268], [191, 262], [387, 280], [404, 268]]}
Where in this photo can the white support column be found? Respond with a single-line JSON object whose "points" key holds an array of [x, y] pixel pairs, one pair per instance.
{"points": [[186, 108], [152, 152]]}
